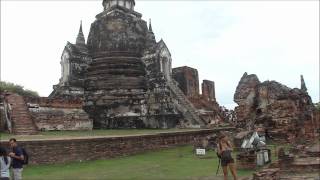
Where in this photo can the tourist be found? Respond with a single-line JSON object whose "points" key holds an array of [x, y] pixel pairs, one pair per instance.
{"points": [[5, 161], [17, 159], [224, 149]]}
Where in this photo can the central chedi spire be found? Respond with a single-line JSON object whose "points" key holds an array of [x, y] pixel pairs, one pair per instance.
{"points": [[115, 85], [108, 4]]}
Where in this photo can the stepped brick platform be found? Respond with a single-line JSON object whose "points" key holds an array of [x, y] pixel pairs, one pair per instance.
{"points": [[299, 161], [58, 114], [22, 122], [185, 106], [203, 105], [309, 164]]}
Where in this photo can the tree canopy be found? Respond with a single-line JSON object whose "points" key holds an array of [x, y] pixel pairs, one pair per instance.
{"points": [[15, 88]]}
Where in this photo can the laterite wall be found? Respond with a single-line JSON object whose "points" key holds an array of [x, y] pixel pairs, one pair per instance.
{"points": [[71, 150]]}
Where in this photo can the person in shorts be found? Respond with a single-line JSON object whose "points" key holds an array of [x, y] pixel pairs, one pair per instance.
{"points": [[224, 151]]}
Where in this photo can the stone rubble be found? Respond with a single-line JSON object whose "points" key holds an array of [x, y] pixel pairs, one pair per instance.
{"points": [[267, 174]]}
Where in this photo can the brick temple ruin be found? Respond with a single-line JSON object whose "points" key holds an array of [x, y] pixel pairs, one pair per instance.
{"points": [[120, 78], [123, 78], [284, 113]]}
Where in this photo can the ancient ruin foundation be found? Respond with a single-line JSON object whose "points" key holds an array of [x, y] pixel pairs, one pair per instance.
{"points": [[284, 113]]}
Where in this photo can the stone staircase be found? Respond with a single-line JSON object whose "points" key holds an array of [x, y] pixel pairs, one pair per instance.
{"points": [[22, 123], [188, 111]]}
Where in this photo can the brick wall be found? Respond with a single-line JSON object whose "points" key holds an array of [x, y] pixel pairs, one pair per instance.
{"points": [[47, 118], [55, 102], [58, 114], [208, 90], [188, 80], [71, 150]]}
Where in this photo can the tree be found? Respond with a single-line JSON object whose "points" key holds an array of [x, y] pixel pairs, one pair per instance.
{"points": [[18, 89]]}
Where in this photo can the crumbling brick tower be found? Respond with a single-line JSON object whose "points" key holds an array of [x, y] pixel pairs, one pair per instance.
{"points": [[285, 113]]}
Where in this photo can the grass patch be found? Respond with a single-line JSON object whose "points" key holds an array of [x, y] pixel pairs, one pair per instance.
{"points": [[175, 163]]}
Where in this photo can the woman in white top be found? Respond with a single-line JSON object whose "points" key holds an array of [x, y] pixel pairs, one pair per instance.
{"points": [[5, 161]]}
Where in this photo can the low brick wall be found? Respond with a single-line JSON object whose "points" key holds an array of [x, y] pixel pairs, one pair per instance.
{"points": [[71, 150]]}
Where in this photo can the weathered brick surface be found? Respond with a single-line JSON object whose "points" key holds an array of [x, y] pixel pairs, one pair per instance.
{"points": [[61, 151], [74, 62], [208, 90], [55, 102], [22, 122], [210, 111], [267, 174], [205, 103], [30, 114], [58, 113], [188, 80], [47, 118], [246, 160], [300, 159], [285, 113]]}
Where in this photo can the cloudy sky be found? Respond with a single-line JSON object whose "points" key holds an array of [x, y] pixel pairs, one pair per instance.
{"points": [[277, 40]]}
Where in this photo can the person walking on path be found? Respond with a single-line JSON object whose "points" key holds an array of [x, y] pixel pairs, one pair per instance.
{"points": [[5, 162], [17, 159], [224, 150]]}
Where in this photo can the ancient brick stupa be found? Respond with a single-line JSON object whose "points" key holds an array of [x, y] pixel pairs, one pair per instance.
{"points": [[116, 82], [123, 74]]}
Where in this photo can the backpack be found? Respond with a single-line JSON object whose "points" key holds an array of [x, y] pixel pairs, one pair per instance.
{"points": [[26, 156]]}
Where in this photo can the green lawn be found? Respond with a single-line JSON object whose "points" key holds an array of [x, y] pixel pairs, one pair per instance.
{"points": [[92, 133], [175, 163]]}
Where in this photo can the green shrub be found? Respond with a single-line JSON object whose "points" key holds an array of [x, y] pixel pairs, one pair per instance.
{"points": [[18, 89]]}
